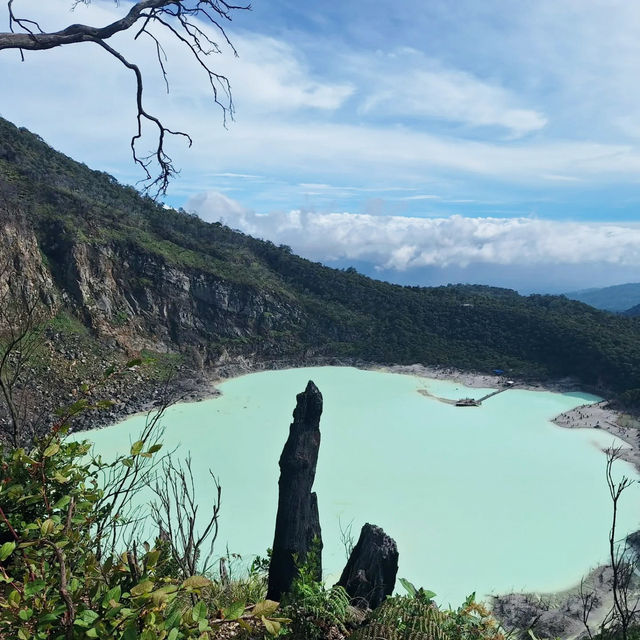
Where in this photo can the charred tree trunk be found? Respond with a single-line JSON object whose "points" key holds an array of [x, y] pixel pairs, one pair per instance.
{"points": [[297, 522], [370, 574]]}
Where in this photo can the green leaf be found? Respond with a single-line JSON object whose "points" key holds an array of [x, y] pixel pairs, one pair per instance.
{"points": [[409, 587], [131, 632], [196, 582], [25, 614], [111, 595], [245, 625], [62, 503], [173, 619], [265, 608], [173, 634], [133, 363], [47, 527], [272, 627], [47, 618], [234, 610], [51, 450], [86, 617], [136, 447], [199, 611], [92, 633], [14, 598], [127, 462], [151, 559], [155, 447], [30, 588], [78, 406], [6, 550], [141, 588], [164, 594]]}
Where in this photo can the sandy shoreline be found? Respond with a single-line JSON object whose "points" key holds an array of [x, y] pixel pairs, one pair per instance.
{"points": [[588, 416]]}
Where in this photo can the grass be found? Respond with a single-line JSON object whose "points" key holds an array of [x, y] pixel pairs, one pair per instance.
{"points": [[65, 323]]}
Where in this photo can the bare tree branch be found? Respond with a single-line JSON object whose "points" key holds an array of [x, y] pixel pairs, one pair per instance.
{"points": [[125, 479], [176, 516], [625, 603], [185, 21]]}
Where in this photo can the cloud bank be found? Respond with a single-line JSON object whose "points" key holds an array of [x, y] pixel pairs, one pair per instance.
{"points": [[400, 243]]}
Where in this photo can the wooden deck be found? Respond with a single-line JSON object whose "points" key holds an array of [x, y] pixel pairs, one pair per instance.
{"points": [[472, 402]]}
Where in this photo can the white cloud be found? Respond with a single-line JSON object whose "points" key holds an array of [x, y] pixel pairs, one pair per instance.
{"points": [[230, 174], [405, 82], [296, 125], [269, 75], [214, 206], [402, 155], [401, 243]]}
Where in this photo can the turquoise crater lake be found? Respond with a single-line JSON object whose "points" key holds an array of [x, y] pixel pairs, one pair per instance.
{"points": [[489, 499]]}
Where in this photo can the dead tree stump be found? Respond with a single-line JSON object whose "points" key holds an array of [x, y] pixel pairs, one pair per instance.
{"points": [[370, 574], [297, 521]]}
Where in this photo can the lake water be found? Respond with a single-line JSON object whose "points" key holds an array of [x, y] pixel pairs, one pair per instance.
{"points": [[488, 499]]}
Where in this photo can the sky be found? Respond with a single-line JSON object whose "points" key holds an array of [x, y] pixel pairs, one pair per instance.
{"points": [[422, 141]]}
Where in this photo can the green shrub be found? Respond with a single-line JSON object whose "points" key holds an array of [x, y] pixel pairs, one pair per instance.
{"points": [[61, 580], [313, 608]]}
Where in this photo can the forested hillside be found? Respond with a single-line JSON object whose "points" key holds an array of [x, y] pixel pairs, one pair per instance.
{"points": [[121, 271]]}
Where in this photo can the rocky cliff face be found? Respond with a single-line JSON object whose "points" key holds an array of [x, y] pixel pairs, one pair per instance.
{"points": [[23, 274], [137, 300], [109, 302]]}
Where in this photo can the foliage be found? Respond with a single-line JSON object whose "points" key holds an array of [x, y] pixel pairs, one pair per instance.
{"points": [[56, 581], [312, 607], [633, 634], [416, 617], [54, 584], [628, 400], [422, 595]]}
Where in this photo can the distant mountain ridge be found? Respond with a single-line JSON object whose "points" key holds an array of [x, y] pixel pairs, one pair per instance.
{"points": [[125, 276], [616, 298]]}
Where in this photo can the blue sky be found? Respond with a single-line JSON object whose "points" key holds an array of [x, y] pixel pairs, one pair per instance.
{"points": [[424, 142]]}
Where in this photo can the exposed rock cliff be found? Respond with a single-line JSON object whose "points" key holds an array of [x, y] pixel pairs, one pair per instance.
{"points": [[140, 300]]}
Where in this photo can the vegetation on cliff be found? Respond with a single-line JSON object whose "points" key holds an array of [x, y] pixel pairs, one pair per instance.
{"points": [[142, 276]]}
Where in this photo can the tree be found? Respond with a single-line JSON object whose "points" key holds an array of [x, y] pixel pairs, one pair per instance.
{"points": [[622, 615], [188, 22]]}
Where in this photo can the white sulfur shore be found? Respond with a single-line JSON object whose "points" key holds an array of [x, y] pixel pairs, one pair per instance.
{"points": [[588, 416]]}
